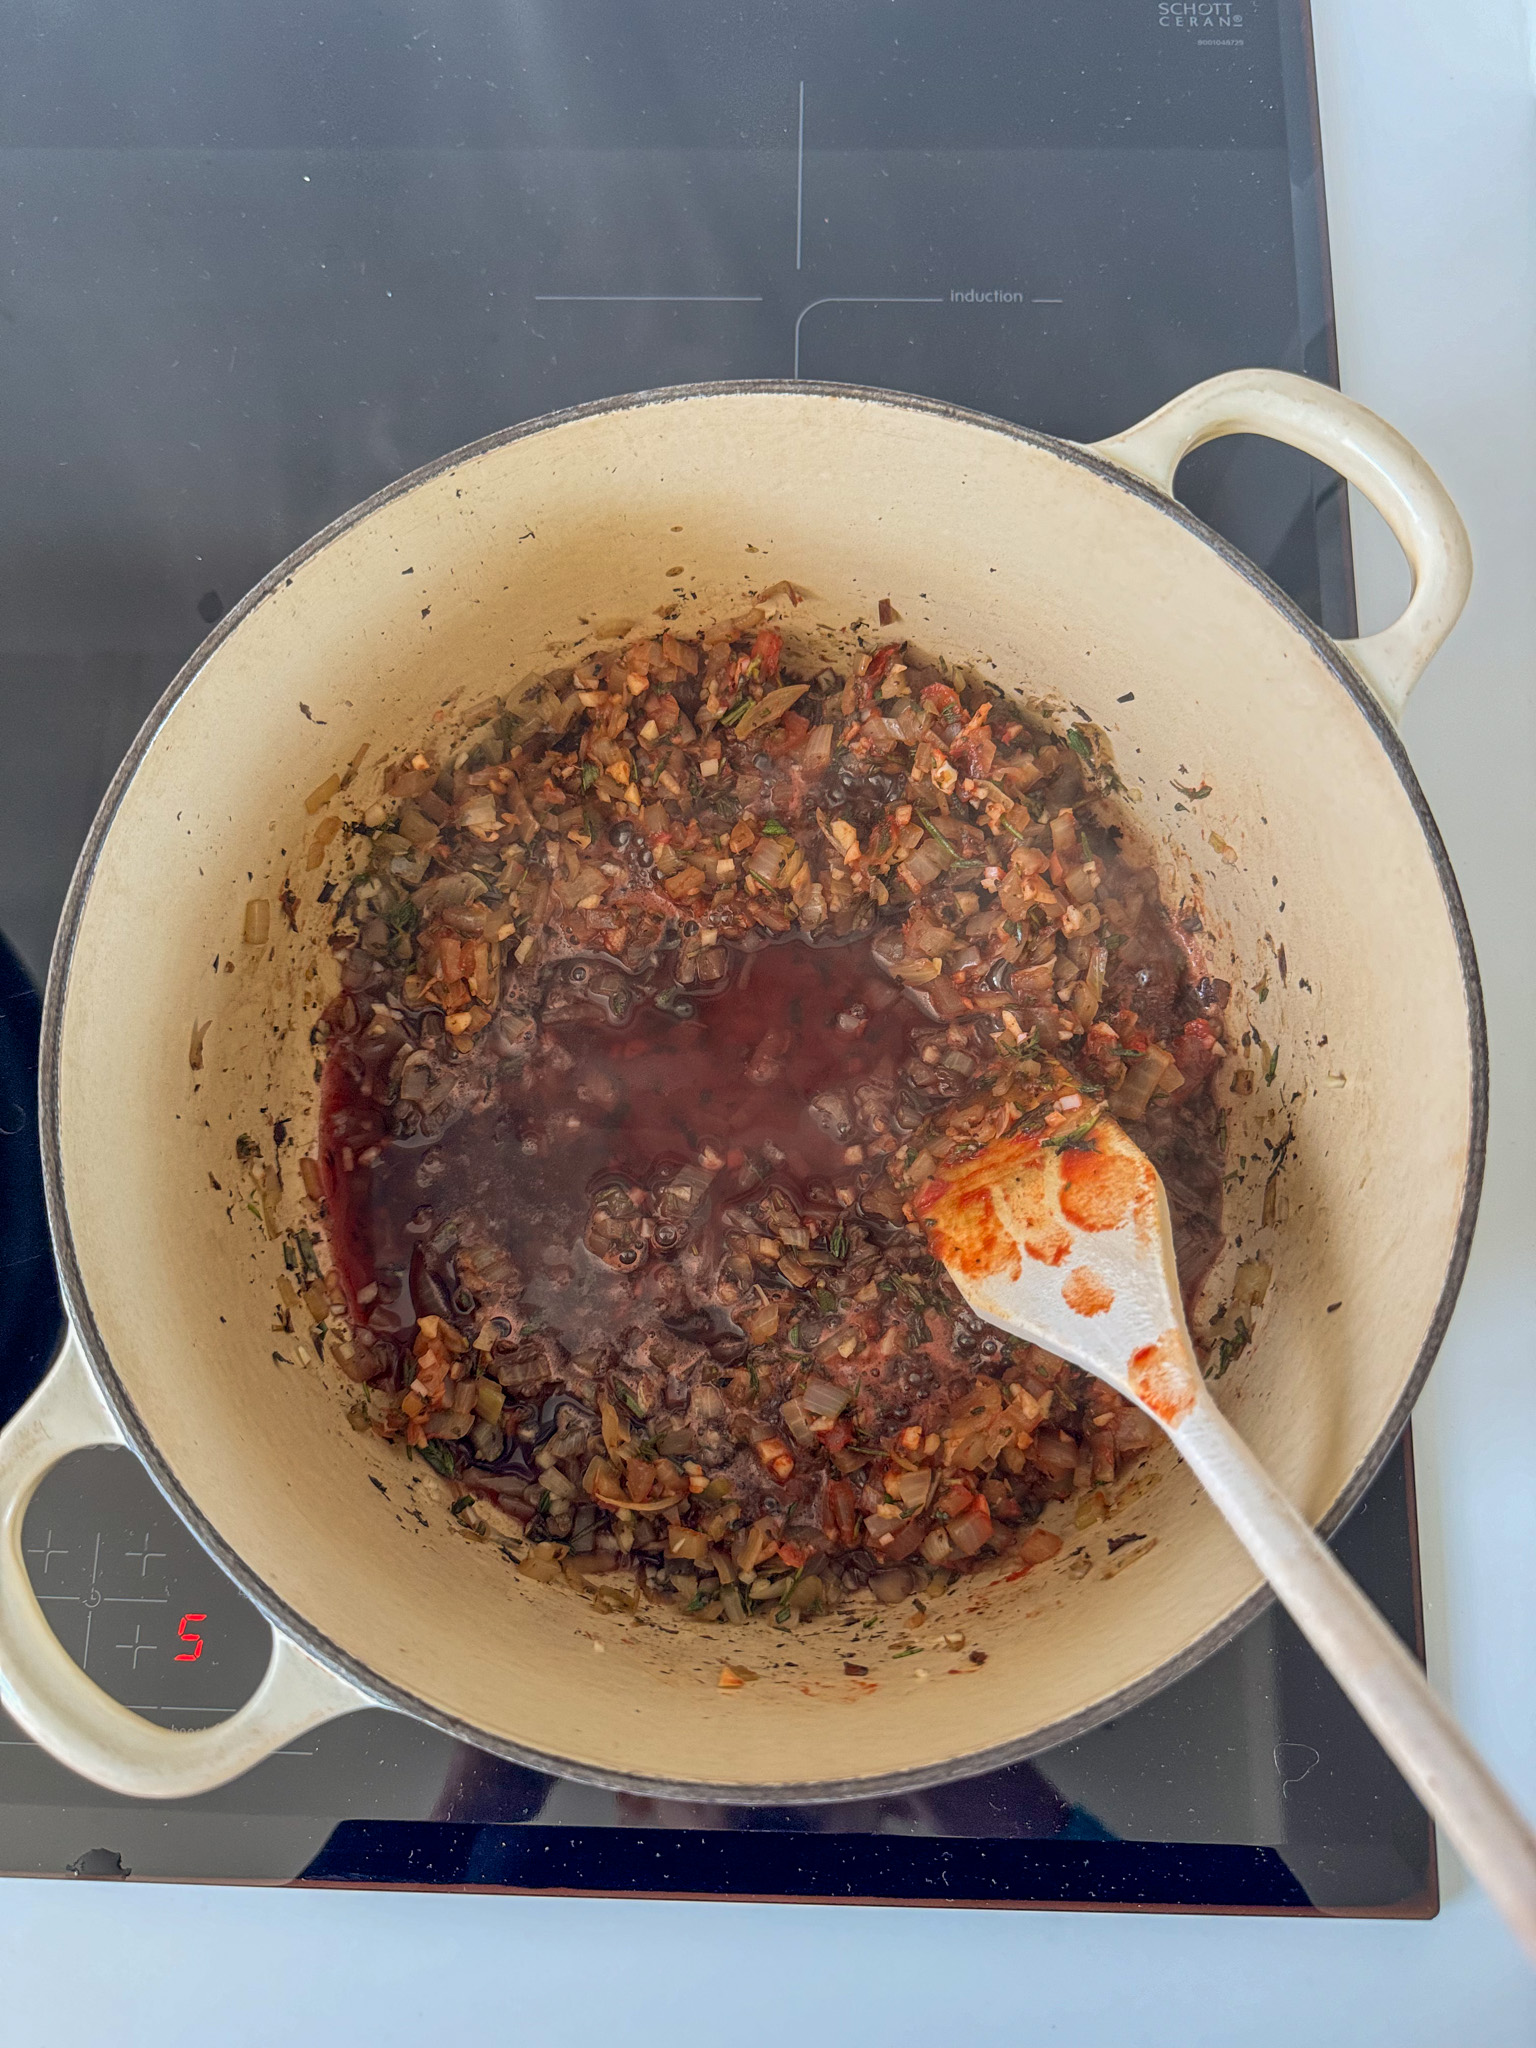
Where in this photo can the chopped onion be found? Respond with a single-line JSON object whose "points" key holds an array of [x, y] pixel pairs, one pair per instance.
{"points": [[926, 935], [1142, 1083], [761, 1322], [926, 864], [912, 1490], [755, 1545], [477, 813], [798, 1423], [1054, 1453], [918, 973], [1064, 834], [415, 827], [822, 1398], [880, 734], [1134, 1431], [325, 832], [449, 1423], [1251, 1283], [768, 857]]}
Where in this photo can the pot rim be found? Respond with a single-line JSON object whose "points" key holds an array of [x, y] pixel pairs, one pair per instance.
{"points": [[386, 1692]]}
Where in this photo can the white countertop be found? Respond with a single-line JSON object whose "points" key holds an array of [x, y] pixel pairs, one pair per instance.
{"points": [[1429, 124]]}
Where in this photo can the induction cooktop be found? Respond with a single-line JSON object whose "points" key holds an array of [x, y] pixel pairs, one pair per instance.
{"points": [[255, 272]]}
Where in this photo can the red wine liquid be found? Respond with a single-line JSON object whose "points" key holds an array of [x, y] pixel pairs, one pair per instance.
{"points": [[749, 1084]]}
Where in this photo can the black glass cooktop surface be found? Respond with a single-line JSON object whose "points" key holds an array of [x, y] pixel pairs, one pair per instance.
{"points": [[260, 263]]}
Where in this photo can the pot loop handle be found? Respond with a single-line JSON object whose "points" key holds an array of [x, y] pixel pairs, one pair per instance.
{"points": [[1373, 457], [52, 1699]]}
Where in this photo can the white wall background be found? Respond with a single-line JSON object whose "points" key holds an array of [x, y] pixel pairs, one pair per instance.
{"points": [[1430, 143]]}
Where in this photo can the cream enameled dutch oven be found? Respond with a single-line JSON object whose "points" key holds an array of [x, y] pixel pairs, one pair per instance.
{"points": [[1067, 573]]}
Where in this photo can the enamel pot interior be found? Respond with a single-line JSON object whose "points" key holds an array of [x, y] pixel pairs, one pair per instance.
{"points": [[1311, 865]]}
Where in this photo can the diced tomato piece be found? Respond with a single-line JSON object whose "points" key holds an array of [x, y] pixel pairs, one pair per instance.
{"points": [[1198, 1053], [841, 1518], [766, 650], [788, 736]]}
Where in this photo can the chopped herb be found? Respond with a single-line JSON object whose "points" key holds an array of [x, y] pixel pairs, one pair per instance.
{"points": [[737, 711], [465, 1500], [630, 1398], [837, 1243], [1232, 1347], [1026, 1046], [589, 774], [546, 1501], [1078, 1139], [439, 1457], [1077, 740], [826, 1300], [929, 826], [1274, 1061], [772, 829], [1194, 795]]}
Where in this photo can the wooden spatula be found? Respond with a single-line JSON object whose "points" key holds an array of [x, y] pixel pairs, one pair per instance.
{"points": [[1062, 1237]]}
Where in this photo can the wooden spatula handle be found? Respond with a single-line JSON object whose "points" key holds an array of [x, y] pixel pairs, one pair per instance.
{"points": [[1369, 1661]]}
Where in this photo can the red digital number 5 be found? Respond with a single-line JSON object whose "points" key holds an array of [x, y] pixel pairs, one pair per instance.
{"points": [[189, 1636]]}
